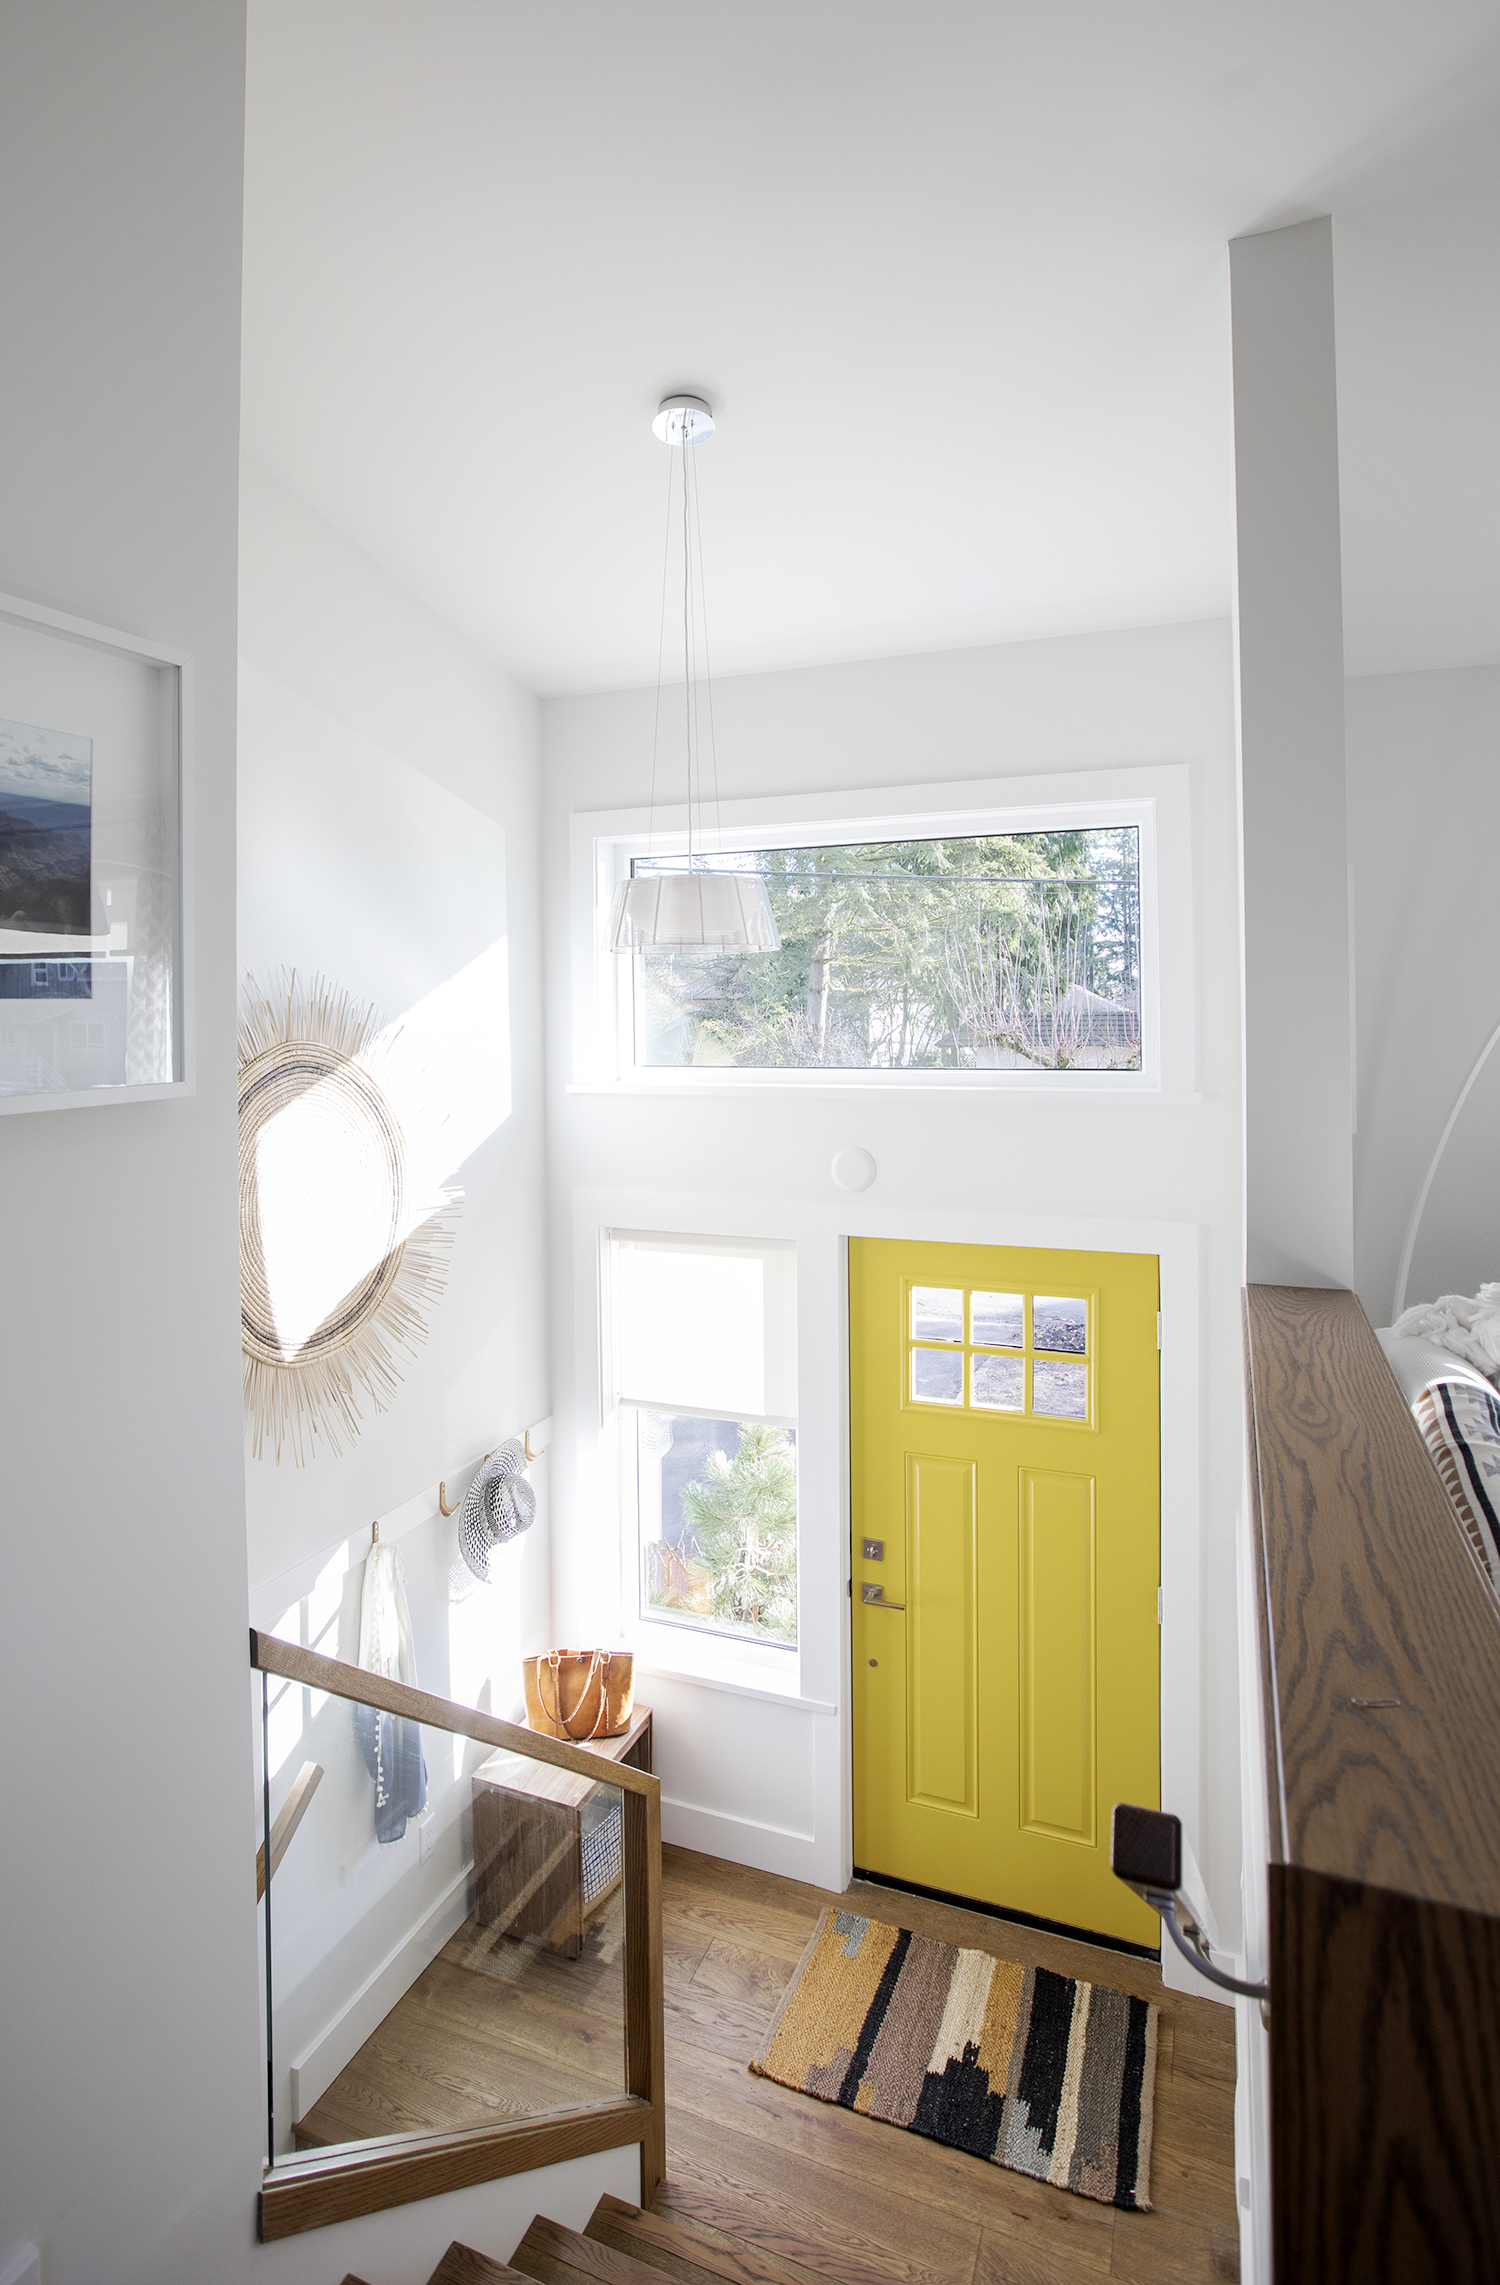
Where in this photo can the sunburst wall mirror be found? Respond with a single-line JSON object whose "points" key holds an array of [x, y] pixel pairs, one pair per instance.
{"points": [[341, 1259]]}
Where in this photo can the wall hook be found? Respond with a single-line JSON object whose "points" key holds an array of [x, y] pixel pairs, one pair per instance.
{"points": [[443, 1507]]}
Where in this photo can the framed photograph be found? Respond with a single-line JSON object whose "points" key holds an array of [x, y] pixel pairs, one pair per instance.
{"points": [[93, 985]]}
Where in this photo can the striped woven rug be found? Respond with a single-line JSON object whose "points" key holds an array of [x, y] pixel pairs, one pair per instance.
{"points": [[1031, 2070]]}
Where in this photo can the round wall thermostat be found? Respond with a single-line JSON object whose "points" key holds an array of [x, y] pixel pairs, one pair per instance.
{"points": [[853, 1169]]}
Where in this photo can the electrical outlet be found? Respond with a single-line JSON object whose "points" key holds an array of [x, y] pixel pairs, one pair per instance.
{"points": [[426, 1837]]}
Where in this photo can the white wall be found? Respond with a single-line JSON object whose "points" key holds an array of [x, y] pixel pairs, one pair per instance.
{"points": [[950, 1164], [129, 2053], [388, 838], [1424, 824]]}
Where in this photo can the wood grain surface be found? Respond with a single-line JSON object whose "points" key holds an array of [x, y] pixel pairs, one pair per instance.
{"points": [[811, 2193], [1371, 1594], [269, 1655], [461, 2265], [1385, 2086], [288, 1817], [1381, 1655], [315, 2192], [645, 2002]]}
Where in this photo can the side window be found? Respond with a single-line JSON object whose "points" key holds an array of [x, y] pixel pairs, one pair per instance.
{"points": [[705, 1386]]}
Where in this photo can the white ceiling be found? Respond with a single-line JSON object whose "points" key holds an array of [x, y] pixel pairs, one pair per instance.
{"points": [[952, 275]]}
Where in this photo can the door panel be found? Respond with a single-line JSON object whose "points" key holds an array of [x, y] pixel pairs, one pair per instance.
{"points": [[1005, 1463], [1057, 1655], [942, 1717]]}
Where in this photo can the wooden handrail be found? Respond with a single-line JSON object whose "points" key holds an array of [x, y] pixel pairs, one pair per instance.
{"points": [[369, 2178], [307, 2192], [288, 1817], [270, 1655]]}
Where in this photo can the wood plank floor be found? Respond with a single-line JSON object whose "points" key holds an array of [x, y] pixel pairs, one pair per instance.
{"points": [[492, 2029], [887, 2208]]}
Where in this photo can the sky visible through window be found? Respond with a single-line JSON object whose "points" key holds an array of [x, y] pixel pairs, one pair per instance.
{"points": [[1016, 951]]}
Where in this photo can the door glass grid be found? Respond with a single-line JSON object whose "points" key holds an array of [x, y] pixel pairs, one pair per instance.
{"points": [[1024, 1352]]}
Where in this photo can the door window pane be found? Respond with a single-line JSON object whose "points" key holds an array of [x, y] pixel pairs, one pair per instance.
{"points": [[937, 1376], [1059, 1323], [997, 1320], [937, 1313], [1000, 1384], [1060, 1391]]}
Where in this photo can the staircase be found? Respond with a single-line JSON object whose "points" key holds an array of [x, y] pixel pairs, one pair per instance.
{"points": [[622, 2246]]}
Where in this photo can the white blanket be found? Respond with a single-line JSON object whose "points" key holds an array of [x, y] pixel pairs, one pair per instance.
{"points": [[1467, 1328]]}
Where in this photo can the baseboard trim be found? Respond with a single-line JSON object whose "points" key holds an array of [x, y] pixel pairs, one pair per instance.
{"points": [[1003, 1912], [746, 1824], [742, 1840]]}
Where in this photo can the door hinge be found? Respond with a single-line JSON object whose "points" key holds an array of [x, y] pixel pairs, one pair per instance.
{"points": [[1158, 1328], [1158, 1606], [849, 1589]]}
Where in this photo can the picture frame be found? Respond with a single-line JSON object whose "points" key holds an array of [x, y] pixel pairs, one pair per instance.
{"points": [[95, 905]]}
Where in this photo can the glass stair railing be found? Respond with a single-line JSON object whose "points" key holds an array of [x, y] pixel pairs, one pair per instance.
{"points": [[461, 1944]]}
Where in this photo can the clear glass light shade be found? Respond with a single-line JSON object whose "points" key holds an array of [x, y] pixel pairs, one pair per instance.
{"points": [[730, 911]]}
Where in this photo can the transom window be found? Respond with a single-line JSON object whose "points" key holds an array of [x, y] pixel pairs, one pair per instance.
{"points": [[975, 1350], [1000, 952]]}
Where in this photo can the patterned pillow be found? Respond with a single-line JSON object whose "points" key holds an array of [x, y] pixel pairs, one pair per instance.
{"points": [[1461, 1426]]}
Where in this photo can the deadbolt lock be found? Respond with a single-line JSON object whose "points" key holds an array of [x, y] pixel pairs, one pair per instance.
{"points": [[873, 1550]]}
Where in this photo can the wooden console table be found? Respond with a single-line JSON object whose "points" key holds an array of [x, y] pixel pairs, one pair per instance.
{"points": [[529, 1825]]}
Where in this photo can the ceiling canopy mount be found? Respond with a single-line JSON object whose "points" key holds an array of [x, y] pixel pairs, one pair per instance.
{"points": [[681, 419]]}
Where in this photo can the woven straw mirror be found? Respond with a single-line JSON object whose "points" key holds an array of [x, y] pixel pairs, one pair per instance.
{"points": [[340, 1265]]}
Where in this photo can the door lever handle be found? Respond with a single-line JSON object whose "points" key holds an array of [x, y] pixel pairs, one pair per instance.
{"points": [[875, 1595]]}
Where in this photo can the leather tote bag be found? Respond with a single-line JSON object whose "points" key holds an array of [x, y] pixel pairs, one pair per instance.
{"points": [[580, 1694]]}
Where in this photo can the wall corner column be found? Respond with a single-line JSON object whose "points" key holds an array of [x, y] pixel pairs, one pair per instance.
{"points": [[1289, 655]]}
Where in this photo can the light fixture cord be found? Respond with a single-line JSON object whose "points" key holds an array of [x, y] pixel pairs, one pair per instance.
{"points": [[661, 651], [708, 672], [687, 648]]}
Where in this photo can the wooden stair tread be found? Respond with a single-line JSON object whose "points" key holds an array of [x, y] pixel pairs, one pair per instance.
{"points": [[695, 2250], [557, 2255], [461, 2265]]}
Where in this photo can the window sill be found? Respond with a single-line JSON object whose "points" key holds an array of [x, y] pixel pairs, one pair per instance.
{"points": [[647, 1665], [1127, 1087], [716, 1662]]}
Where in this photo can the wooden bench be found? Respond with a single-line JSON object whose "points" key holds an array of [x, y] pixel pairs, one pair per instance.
{"points": [[530, 1823]]}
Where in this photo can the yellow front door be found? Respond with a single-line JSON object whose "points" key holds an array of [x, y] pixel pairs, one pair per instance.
{"points": [[1006, 1517]]}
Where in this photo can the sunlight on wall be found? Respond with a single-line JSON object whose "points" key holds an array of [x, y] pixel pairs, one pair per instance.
{"points": [[445, 1067], [324, 1206], [311, 1622], [484, 1643]]}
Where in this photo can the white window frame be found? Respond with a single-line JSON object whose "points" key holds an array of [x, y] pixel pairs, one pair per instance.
{"points": [[1152, 798], [668, 1644]]}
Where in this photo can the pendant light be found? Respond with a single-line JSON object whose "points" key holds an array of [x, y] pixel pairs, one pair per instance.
{"points": [[698, 907]]}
